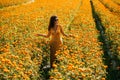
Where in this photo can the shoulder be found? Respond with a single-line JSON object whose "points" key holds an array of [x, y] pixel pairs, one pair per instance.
{"points": [[60, 26]]}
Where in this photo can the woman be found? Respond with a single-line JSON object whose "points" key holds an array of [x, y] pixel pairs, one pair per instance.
{"points": [[54, 30]]}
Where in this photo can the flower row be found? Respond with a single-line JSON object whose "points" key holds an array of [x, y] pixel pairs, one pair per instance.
{"points": [[113, 7], [111, 23]]}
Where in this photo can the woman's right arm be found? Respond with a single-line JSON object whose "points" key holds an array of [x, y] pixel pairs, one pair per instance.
{"points": [[45, 35]]}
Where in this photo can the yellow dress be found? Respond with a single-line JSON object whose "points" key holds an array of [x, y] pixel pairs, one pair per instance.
{"points": [[55, 43]]}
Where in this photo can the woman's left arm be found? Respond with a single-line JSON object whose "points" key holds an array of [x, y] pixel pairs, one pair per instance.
{"points": [[64, 33]]}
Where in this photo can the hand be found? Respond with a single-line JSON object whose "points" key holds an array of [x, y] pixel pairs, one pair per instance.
{"points": [[71, 36], [37, 34]]}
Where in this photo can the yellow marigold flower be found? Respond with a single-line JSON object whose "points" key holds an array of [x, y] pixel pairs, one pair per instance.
{"points": [[105, 66], [83, 75], [54, 65], [18, 68], [30, 72], [3, 60], [6, 70], [26, 77], [51, 77], [80, 69], [1, 66], [70, 67]]}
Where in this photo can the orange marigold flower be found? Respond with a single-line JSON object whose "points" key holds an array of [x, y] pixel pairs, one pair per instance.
{"points": [[103, 79]]}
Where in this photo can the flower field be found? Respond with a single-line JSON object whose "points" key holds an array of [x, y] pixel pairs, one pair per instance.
{"points": [[81, 58], [6, 3]]}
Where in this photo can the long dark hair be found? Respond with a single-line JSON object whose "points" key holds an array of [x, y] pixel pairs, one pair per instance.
{"points": [[52, 22]]}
